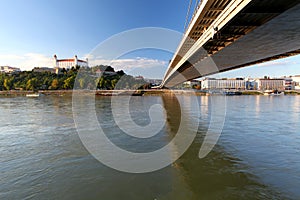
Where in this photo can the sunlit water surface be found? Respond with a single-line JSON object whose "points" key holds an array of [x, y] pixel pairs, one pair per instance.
{"points": [[256, 157]]}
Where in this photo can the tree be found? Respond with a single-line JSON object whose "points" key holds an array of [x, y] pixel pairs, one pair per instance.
{"points": [[81, 83], [69, 83], [120, 73], [7, 84], [47, 81], [31, 80], [114, 83], [63, 70], [54, 84], [101, 83], [32, 84], [1, 82]]}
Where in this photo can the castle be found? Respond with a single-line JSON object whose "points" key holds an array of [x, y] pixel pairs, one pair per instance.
{"points": [[69, 62]]}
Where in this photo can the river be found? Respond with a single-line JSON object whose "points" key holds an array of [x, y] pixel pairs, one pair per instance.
{"points": [[257, 155]]}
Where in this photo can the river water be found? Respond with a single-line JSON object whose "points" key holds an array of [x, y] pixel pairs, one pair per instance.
{"points": [[256, 157]]}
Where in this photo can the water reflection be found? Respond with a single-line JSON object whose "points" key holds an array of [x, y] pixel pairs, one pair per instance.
{"points": [[266, 141], [295, 109], [257, 156], [257, 106], [219, 175]]}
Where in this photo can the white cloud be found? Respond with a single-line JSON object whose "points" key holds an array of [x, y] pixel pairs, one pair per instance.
{"points": [[283, 62], [130, 64], [26, 61], [10, 57]]}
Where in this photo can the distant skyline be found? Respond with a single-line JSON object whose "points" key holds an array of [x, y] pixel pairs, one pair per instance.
{"points": [[33, 31]]}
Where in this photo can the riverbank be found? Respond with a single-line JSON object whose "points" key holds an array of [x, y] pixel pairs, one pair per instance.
{"points": [[102, 92], [131, 92]]}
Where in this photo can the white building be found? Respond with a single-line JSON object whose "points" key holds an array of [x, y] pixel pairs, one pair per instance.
{"points": [[153, 81], [296, 82], [8, 69], [43, 69], [139, 78], [271, 84], [191, 83], [211, 84], [69, 62], [100, 73]]}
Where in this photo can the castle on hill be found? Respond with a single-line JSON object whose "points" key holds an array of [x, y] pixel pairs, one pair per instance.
{"points": [[68, 63]]}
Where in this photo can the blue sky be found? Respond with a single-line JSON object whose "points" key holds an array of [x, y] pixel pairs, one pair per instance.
{"points": [[33, 30]]}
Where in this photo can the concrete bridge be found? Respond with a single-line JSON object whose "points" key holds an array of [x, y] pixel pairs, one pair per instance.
{"points": [[228, 34]]}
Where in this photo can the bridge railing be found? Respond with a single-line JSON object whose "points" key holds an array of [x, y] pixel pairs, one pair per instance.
{"points": [[194, 14]]}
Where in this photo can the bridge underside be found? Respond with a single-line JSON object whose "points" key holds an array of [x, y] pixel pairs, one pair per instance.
{"points": [[264, 30]]}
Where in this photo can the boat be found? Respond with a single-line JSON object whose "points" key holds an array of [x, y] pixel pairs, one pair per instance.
{"points": [[33, 95], [274, 93], [231, 93], [137, 94], [277, 93]]}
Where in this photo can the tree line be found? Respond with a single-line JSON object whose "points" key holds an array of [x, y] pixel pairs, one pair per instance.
{"points": [[98, 77]]}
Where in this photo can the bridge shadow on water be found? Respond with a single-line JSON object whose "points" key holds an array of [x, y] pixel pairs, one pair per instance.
{"points": [[217, 176]]}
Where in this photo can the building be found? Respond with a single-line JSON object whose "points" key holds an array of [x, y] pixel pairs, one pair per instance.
{"points": [[252, 84], [44, 69], [288, 83], [153, 81], [296, 82], [191, 84], [8, 69], [100, 73], [271, 84], [218, 84], [69, 62], [139, 78]]}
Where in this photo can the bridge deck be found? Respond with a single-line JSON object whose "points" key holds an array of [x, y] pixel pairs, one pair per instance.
{"points": [[270, 27]]}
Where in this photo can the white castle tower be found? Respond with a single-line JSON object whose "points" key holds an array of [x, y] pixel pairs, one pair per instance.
{"points": [[69, 62]]}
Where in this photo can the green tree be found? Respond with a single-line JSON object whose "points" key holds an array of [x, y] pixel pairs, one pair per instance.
{"points": [[101, 83], [47, 81], [114, 83], [81, 83], [32, 84], [31, 80], [69, 83], [7, 84], [1, 81], [54, 84]]}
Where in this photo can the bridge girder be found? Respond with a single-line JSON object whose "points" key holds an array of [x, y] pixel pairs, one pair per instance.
{"points": [[254, 15]]}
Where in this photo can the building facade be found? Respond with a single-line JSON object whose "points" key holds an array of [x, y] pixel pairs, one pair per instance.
{"points": [[69, 62], [8, 69], [153, 81], [296, 82], [43, 69], [271, 84], [191, 83], [235, 84], [288, 83], [252, 84]]}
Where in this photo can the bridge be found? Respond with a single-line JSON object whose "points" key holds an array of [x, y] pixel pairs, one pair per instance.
{"points": [[227, 34]]}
